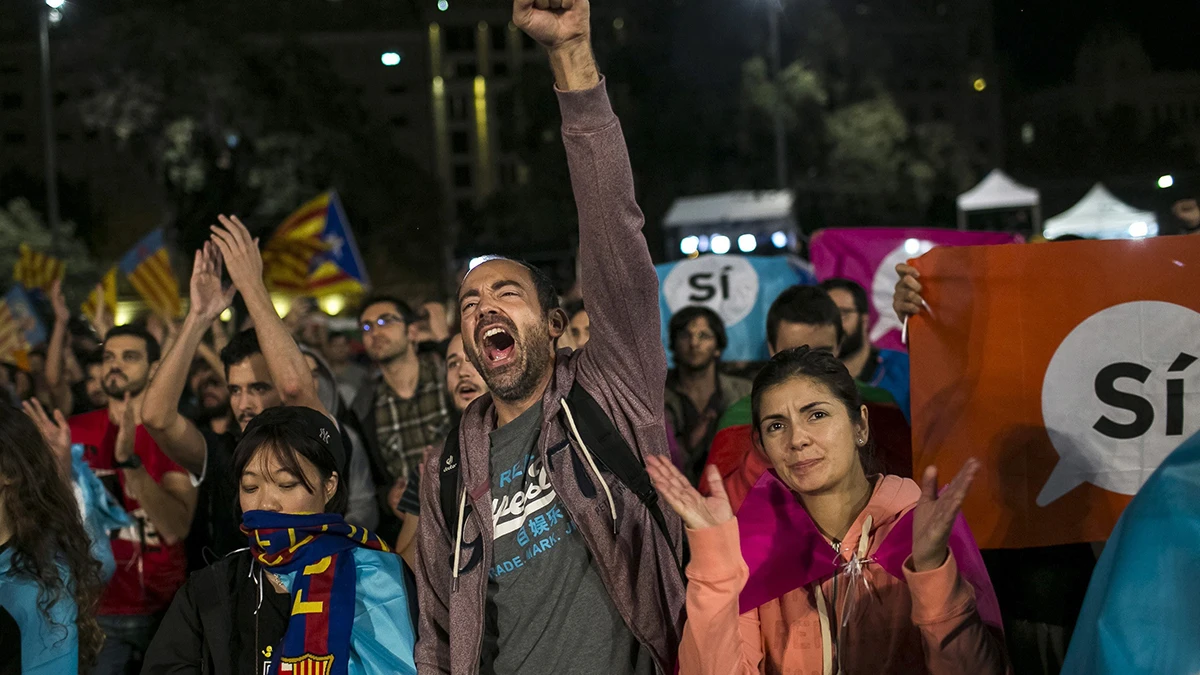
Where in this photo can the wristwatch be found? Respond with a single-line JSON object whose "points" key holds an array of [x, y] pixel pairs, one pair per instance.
{"points": [[134, 462]]}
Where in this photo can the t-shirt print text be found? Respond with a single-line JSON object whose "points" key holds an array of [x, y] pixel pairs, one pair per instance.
{"points": [[533, 515]]}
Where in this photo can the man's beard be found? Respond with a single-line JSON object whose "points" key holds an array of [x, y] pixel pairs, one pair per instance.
{"points": [[854, 339], [395, 355], [696, 368], [519, 380], [209, 413], [119, 391]]}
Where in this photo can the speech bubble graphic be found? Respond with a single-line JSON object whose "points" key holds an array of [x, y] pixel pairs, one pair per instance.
{"points": [[1121, 392], [727, 284], [883, 285]]}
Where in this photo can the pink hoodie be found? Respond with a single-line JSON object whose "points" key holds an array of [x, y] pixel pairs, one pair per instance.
{"points": [[926, 623]]}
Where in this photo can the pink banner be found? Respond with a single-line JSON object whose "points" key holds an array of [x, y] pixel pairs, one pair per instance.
{"points": [[869, 256]]}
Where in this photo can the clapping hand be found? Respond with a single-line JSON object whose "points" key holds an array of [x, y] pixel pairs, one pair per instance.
{"points": [[62, 314], [130, 419], [208, 299], [240, 253], [56, 431], [697, 511], [934, 515]]}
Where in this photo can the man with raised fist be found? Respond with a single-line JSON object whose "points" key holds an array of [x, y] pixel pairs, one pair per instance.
{"points": [[542, 548]]}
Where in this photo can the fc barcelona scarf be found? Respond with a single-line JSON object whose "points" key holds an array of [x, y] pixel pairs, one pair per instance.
{"points": [[319, 549]]}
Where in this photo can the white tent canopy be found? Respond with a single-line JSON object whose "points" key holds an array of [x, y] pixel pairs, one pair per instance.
{"points": [[730, 207], [995, 192], [1100, 215], [998, 191]]}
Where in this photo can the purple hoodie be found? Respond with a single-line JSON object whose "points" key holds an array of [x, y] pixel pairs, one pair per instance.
{"points": [[624, 368]]}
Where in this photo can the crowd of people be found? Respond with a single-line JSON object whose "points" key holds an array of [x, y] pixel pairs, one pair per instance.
{"points": [[480, 493]]}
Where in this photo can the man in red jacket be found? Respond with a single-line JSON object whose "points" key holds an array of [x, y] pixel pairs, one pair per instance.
{"points": [[155, 491]]}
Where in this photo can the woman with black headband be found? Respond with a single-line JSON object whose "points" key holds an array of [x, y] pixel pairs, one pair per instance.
{"points": [[311, 594]]}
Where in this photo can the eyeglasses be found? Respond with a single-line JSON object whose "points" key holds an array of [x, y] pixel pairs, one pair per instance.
{"points": [[385, 320]]}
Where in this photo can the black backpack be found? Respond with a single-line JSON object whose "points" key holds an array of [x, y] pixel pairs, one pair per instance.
{"points": [[608, 448]]}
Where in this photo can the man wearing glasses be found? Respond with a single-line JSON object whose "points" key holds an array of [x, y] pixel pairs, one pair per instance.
{"points": [[886, 369], [404, 410]]}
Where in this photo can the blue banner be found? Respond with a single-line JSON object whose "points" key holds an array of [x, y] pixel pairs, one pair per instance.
{"points": [[740, 289]]}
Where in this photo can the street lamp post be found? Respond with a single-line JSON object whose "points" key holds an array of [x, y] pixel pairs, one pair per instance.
{"points": [[774, 10], [52, 215]]}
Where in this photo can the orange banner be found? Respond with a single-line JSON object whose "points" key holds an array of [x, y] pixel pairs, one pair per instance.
{"points": [[1068, 368]]}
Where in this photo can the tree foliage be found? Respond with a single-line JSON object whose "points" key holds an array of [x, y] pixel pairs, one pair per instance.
{"points": [[224, 122], [20, 224]]}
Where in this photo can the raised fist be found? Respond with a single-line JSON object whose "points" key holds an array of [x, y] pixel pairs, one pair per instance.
{"points": [[554, 23]]}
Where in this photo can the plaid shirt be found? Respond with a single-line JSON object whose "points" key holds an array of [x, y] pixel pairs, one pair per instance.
{"points": [[405, 426]]}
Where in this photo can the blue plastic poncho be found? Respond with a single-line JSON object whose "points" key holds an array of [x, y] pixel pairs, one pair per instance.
{"points": [[1142, 611]]}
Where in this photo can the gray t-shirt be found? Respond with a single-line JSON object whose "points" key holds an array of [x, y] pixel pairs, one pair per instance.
{"points": [[547, 609]]}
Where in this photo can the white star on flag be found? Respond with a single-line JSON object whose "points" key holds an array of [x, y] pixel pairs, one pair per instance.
{"points": [[335, 244]]}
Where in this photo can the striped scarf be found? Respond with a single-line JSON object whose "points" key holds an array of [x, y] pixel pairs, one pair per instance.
{"points": [[319, 548]]}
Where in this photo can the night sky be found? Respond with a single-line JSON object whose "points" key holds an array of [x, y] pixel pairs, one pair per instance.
{"points": [[1038, 39]]}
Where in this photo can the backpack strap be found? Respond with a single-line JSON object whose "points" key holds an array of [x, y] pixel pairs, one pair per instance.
{"points": [[610, 450], [607, 445], [449, 470]]}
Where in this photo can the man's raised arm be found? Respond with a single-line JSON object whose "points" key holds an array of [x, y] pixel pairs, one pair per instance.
{"points": [[290, 372], [620, 287], [175, 434]]}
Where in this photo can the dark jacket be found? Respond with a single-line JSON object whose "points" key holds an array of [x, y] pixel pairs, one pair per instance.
{"points": [[730, 390], [623, 368], [196, 634]]}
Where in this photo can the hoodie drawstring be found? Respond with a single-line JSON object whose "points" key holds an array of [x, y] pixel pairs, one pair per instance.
{"points": [[860, 557], [462, 509], [587, 454], [826, 635]]}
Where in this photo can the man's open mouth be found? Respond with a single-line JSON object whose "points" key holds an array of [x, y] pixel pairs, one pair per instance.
{"points": [[499, 347], [465, 389]]}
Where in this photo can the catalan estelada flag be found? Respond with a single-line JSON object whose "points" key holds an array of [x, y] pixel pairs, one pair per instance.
{"points": [[20, 327], [313, 252], [1071, 370], [109, 285], [148, 268], [36, 270], [14, 348]]}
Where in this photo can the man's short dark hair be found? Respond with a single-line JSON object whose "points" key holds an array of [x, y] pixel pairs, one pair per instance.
{"points": [[402, 308], [809, 305], [680, 320], [199, 365], [153, 351], [547, 295], [92, 358], [572, 308], [853, 288], [241, 347]]}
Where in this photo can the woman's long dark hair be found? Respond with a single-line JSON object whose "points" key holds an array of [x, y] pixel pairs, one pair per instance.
{"points": [[47, 529]]}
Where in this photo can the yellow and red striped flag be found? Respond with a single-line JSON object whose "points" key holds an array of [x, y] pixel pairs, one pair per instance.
{"points": [[148, 268], [314, 252], [14, 328], [109, 286], [37, 270], [13, 345]]}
